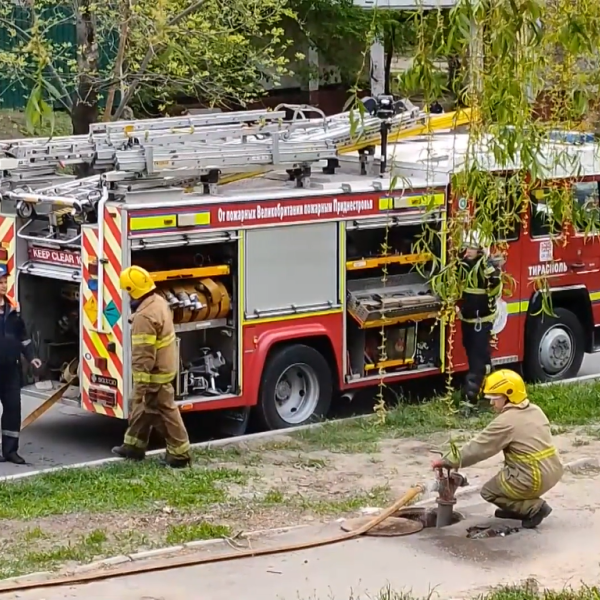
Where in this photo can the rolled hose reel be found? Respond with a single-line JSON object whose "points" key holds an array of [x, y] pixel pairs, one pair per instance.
{"points": [[202, 300]]}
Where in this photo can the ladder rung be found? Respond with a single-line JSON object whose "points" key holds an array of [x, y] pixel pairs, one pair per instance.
{"points": [[173, 148]]}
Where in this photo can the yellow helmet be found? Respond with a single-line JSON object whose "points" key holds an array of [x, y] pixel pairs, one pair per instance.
{"points": [[508, 383], [136, 281]]}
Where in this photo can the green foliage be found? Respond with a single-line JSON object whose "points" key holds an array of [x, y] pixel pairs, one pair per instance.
{"points": [[523, 53], [214, 50]]}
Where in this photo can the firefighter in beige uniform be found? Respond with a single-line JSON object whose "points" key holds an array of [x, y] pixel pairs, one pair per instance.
{"points": [[154, 363], [531, 462]]}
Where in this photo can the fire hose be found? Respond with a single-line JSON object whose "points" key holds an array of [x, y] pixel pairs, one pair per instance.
{"points": [[190, 561], [69, 376]]}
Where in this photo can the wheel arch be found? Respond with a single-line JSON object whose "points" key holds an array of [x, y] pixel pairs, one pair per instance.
{"points": [[260, 342], [320, 342], [575, 299]]}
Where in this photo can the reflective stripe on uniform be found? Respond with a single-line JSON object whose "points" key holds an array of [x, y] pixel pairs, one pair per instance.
{"points": [[181, 450], [508, 489], [143, 377], [165, 341], [7, 433], [488, 319], [533, 460], [141, 339], [476, 291], [129, 440]]}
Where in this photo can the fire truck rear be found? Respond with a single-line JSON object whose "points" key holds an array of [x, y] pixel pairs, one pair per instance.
{"points": [[275, 286]]}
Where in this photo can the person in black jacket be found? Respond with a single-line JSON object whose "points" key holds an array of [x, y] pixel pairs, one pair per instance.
{"points": [[477, 312], [14, 343]]}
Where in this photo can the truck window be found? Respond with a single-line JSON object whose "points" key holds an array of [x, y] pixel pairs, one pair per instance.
{"points": [[542, 224], [587, 206]]}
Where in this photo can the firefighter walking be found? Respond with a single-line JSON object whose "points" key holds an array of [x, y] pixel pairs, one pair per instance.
{"points": [[477, 312], [532, 465], [14, 343], [154, 362]]}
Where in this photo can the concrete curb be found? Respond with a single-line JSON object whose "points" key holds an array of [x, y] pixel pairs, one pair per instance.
{"points": [[579, 464], [244, 438], [231, 441]]}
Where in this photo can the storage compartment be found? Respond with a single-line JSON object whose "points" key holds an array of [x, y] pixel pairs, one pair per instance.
{"points": [[392, 319], [399, 250], [50, 309], [200, 284]]}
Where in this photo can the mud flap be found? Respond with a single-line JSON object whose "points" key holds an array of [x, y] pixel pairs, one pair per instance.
{"points": [[235, 421]]}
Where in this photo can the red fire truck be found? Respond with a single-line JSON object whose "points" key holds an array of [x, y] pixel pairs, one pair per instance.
{"points": [[275, 283]]}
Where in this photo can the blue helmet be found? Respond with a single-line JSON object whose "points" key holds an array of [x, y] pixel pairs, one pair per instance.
{"points": [[3, 271]]}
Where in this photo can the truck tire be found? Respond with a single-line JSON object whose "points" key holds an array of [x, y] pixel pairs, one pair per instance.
{"points": [[554, 347], [296, 388]]}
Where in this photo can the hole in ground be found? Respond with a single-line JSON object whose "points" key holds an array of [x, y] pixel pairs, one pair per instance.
{"points": [[426, 516]]}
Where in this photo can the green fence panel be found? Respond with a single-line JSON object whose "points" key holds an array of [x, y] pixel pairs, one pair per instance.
{"points": [[14, 94]]}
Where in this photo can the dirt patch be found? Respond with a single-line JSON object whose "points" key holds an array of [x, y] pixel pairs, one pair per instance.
{"points": [[286, 485]]}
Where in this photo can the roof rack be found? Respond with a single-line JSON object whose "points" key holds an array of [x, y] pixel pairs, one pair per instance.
{"points": [[223, 141], [187, 150]]}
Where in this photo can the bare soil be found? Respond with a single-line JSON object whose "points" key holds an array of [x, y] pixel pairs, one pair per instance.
{"points": [[287, 487]]}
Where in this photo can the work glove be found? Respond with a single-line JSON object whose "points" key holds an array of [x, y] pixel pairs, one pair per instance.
{"points": [[441, 463]]}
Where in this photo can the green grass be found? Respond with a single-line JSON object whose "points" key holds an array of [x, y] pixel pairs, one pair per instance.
{"points": [[528, 591], [28, 558], [377, 496], [12, 125], [566, 406], [174, 502], [117, 487], [191, 532], [139, 487]]}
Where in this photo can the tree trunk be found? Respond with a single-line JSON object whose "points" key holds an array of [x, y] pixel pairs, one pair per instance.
{"points": [[455, 79], [85, 105], [389, 43]]}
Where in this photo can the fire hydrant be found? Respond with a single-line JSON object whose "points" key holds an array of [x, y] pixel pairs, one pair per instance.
{"points": [[448, 481]]}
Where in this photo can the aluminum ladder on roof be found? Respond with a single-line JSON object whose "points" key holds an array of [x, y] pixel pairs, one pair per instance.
{"points": [[224, 141]]}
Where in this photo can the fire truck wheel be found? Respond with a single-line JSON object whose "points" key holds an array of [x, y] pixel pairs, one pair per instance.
{"points": [[555, 347], [296, 388]]}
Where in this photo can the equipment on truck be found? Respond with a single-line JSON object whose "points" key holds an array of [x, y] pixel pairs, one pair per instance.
{"points": [[274, 282]]}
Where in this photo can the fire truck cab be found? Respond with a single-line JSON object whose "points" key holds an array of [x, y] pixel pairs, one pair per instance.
{"points": [[543, 258], [280, 286]]}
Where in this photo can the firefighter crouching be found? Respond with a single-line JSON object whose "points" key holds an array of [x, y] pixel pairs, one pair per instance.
{"points": [[154, 362], [477, 312], [14, 343], [532, 466]]}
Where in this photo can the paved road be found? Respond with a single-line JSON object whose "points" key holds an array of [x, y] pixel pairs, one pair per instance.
{"points": [[444, 560], [67, 435]]}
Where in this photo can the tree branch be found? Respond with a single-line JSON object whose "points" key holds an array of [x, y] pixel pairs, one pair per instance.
{"points": [[118, 68], [150, 54], [66, 99]]}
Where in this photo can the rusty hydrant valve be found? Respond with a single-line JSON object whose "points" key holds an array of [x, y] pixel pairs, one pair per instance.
{"points": [[448, 483]]}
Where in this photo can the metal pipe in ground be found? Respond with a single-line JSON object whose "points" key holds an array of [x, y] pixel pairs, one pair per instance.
{"points": [[444, 513]]}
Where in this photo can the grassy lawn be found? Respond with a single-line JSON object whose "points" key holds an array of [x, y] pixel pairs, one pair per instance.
{"points": [[74, 516], [528, 591], [12, 125]]}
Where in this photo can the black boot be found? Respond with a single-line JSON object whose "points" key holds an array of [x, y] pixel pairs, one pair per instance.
{"points": [[175, 462], [14, 457], [507, 514], [533, 521], [129, 452]]}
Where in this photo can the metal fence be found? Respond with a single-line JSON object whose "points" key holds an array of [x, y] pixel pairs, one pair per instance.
{"points": [[14, 94]]}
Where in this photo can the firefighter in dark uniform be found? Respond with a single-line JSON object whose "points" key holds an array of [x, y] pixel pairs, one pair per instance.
{"points": [[14, 343], [477, 312]]}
